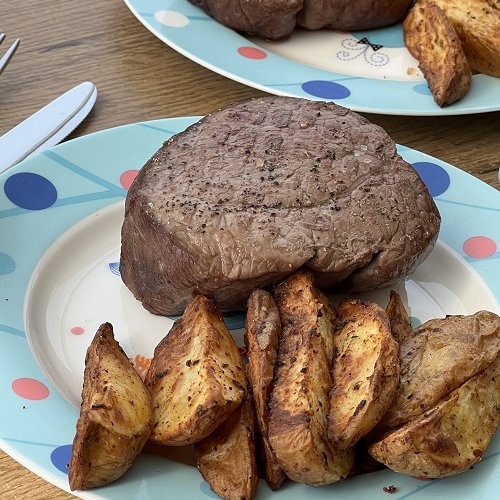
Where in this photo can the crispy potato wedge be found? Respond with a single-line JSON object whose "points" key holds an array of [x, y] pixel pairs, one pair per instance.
{"points": [[439, 357], [299, 399], [451, 436], [262, 332], [115, 415], [398, 318], [196, 377], [226, 458], [477, 23], [431, 39], [365, 372]]}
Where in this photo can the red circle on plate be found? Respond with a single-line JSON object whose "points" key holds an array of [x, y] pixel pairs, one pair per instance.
{"points": [[480, 247], [29, 388], [127, 178], [252, 53]]}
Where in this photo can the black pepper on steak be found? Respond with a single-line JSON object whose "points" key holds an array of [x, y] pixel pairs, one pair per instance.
{"points": [[254, 191]]}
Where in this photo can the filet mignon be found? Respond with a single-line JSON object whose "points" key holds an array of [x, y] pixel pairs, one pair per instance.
{"points": [[351, 15], [254, 191], [273, 19]]}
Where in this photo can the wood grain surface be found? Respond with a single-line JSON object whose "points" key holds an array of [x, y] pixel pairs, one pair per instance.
{"points": [[65, 42]]}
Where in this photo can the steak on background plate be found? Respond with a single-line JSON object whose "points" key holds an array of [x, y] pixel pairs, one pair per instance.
{"points": [[259, 189]]}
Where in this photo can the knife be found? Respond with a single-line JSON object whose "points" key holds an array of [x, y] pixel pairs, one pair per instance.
{"points": [[48, 126]]}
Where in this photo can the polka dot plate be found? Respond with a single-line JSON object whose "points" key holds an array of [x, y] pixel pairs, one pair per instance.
{"points": [[60, 219], [369, 71]]}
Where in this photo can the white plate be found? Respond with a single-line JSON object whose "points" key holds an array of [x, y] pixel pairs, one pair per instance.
{"points": [[60, 218], [368, 71]]}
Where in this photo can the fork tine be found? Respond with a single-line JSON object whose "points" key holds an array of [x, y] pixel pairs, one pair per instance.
{"points": [[10, 52]]}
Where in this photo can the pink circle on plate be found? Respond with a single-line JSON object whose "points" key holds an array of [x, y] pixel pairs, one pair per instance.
{"points": [[77, 330], [29, 388], [127, 178], [480, 247], [252, 53]]}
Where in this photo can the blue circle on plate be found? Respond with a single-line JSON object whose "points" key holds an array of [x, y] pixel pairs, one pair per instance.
{"points": [[436, 178], [61, 456], [325, 89], [30, 191], [205, 488], [422, 88], [415, 322], [7, 263]]}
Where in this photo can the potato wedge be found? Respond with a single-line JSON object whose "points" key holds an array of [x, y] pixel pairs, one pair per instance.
{"points": [[262, 332], [299, 399], [196, 377], [365, 372], [431, 39], [450, 437], [226, 458], [439, 357], [398, 318], [115, 415], [477, 24]]}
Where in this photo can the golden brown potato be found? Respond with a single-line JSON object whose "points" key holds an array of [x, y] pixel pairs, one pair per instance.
{"points": [[226, 458], [299, 399], [451, 436], [365, 372], [431, 39], [262, 331], [115, 415], [477, 24], [398, 318], [439, 357], [196, 377]]}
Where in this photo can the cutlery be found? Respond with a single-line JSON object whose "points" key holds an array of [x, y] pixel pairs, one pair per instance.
{"points": [[10, 52], [48, 126]]}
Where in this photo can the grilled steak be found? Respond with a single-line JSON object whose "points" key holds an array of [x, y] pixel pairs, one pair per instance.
{"points": [[271, 19], [250, 193], [351, 15], [275, 19]]}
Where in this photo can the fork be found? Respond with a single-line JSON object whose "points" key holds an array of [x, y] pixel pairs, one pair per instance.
{"points": [[10, 52]]}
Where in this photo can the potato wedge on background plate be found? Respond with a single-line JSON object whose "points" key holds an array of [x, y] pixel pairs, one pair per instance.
{"points": [[431, 39], [115, 415], [365, 372], [451, 436], [299, 399], [439, 357], [196, 377], [226, 458], [262, 332], [477, 23]]}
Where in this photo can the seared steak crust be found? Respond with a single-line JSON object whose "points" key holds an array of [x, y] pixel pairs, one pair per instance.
{"points": [[271, 19], [275, 19], [247, 195]]}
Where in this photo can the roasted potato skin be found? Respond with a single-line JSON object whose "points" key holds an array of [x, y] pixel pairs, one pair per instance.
{"points": [[365, 372], [450, 437], [299, 399], [262, 332], [399, 320], [115, 415], [226, 458], [196, 377], [439, 357], [431, 39], [477, 24]]}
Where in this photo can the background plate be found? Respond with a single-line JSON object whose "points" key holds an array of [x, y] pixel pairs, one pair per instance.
{"points": [[368, 71], [59, 218]]}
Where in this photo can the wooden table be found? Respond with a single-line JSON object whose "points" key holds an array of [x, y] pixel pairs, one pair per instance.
{"points": [[65, 42]]}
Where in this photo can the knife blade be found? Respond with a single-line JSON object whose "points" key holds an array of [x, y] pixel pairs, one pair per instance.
{"points": [[48, 126]]}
